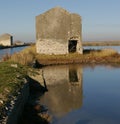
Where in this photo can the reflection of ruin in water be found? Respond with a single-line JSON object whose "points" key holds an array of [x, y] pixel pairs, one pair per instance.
{"points": [[73, 76], [64, 85]]}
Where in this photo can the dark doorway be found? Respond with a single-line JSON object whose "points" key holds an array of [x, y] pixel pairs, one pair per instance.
{"points": [[72, 46], [11, 38]]}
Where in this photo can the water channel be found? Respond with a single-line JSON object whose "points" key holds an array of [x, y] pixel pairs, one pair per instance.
{"points": [[82, 94], [10, 51]]}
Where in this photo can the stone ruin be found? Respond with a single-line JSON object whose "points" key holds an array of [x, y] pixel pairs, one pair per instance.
{"points": [[6, 40], [58, 32]]}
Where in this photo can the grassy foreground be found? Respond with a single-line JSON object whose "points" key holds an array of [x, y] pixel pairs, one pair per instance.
{"points": [[29, 55], [12, 78]]}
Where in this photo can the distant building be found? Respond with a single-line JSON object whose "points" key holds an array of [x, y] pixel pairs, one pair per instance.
{"points": [[6, 40], [18, 42], [58, 32]]}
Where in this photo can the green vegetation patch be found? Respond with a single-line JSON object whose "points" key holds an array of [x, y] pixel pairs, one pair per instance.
{"points": [[12, 78]]}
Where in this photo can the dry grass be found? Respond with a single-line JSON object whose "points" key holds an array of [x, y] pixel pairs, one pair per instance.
{"points": [[25, 57], [28, 55], [6, 57], [22, 58], [88, 57], [102, 53]]}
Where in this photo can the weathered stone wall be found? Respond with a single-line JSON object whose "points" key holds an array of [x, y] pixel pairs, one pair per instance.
{"points": [[53, 24], [50, 46], [55, 28], [6, 40], [76, 26], [76, 31]]}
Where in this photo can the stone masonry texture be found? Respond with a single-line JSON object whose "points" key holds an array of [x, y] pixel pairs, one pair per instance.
{"points": [[55, 29], [6, 40]]}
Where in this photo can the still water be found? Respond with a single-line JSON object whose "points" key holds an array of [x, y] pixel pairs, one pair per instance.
{"points": [[3, 52], [82, 94]]}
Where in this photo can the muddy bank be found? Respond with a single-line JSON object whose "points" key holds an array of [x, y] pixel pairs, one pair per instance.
{"points": [[89, 56], [24, 107], [109, 60], [34, 112], [12, 110]]}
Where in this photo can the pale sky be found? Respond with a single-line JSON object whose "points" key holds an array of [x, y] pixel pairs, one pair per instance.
{"points": [[100, 18]]}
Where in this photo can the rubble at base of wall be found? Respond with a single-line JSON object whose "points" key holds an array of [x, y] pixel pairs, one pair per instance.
{"points": [[12, 111]]}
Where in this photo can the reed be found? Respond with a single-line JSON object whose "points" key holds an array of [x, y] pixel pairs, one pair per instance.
{"points": [[6, 57], [88, 57], [102, 53], [28, 55], [25, 57]]}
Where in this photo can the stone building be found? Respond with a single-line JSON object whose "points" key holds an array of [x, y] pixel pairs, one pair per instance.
{"points": [[6, 40], [18, 42], [58, 32]]}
